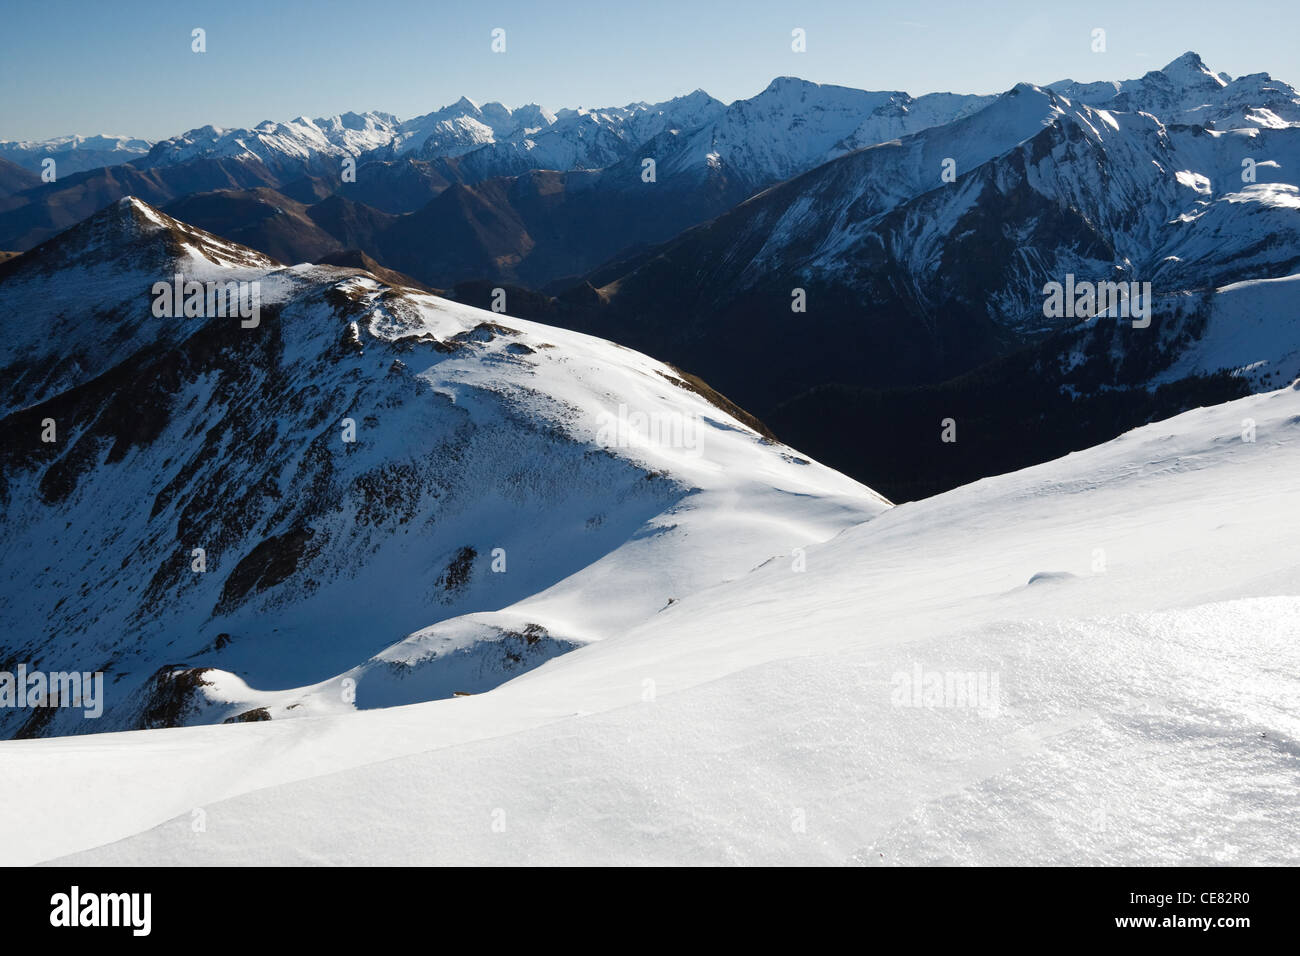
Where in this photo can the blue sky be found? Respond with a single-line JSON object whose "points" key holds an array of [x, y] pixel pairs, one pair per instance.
{"points": [[125, 66]]}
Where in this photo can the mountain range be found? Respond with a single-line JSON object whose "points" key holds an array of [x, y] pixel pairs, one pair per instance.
{"points": [[831, 476], [919, 231]]}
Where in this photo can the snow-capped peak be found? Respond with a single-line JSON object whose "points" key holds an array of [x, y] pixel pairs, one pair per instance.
{"points": [[1189, 70], [1189, 92]]}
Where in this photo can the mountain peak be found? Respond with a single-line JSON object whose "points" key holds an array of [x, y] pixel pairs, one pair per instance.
{"points": [[129, 232], [1190, 68], [694, 96], [780, 83]]}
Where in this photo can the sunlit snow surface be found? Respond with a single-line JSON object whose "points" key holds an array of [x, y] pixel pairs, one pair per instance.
{"points": [[1148, 706]]}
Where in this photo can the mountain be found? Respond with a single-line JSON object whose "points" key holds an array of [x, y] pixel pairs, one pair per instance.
{"points": [[283, 228], [1187, 91], [397, 186], [512, 492], [258, 218], [1035, 669], [794, 125], [73, 154], [38, 213], [289, 149], [485, 141], [723, 293], [541, 227], [922, 260], [15, 179], [709, 157], [494, 141], [497, 211], [1043, 189], [933, 292], [464, 126]]}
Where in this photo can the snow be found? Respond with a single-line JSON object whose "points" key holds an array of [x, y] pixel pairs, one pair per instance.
{"points": [[106, 267], [1173, 203], [1253, 330], [74, 153], [758, 721], [794, 125], [1187, 91], [609, 488], [788, 128], [707, 649], [319, 143]]}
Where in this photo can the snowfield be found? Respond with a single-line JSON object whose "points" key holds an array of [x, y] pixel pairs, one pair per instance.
{"points": [[1093, 661]]}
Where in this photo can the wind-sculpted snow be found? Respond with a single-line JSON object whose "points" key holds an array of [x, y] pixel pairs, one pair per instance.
{"points": [[269, 520], [910, 697]]}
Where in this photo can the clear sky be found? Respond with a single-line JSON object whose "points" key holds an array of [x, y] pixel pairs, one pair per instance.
{"points": [[126, 67]]}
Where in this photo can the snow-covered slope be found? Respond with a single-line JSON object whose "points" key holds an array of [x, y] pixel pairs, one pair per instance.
{"points": [[1126, 620], [794, 125], [71, 304], [388, 489], [1251, 329], [1171, 205]]}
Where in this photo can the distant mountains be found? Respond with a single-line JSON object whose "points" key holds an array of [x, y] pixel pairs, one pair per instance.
{"points": [[916, 280], [74, 154], [800, 246], [711, 154]]}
